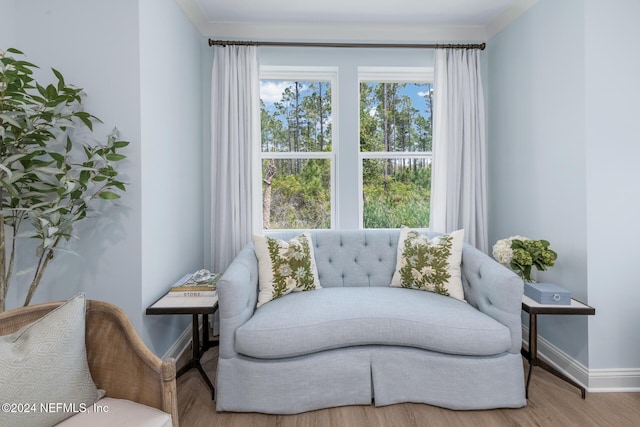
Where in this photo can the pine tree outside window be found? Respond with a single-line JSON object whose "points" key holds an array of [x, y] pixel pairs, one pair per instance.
{"points": [[395, 147], [380, 172], [296, 153]]}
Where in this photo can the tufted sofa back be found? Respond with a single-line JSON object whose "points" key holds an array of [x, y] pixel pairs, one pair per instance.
{"points": [[368, 258], [353, 257]]}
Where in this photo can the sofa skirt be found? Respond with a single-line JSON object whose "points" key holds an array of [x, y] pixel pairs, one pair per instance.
{"points": [[362, 375], [453, 382], [294, 385]]}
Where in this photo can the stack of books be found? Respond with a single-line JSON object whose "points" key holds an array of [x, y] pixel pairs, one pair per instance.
{"points": [[187, 287]]}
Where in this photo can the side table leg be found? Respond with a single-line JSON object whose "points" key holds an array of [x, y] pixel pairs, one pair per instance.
{"points": [[195, 336], [206, 379], [196, 354], [533, 348], [195, 348], [544, 365], [206, 344], [526, 390], [534, 361]]}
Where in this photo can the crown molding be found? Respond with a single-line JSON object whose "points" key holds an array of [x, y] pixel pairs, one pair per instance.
{"points": [[362, 32], [342, 32], [503, 20], [194, 13]]}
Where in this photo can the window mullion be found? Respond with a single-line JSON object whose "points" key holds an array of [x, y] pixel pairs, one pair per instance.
{"points": [[295, 155], [395, 155]]}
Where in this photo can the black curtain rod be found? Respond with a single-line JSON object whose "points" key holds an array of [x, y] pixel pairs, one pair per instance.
{"points": [[480, 46]]}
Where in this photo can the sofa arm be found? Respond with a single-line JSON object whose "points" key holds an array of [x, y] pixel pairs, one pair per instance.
{"points": [[237, 297], [494, 290], [123, 365]]}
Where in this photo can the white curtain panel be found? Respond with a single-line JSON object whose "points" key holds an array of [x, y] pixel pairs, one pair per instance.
{"points": [[235, 126], [458, 183]]}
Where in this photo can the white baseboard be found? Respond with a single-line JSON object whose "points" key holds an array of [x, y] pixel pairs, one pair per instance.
{"points": [[183, 342], [594, 380], [614, 380], [180, 345]]}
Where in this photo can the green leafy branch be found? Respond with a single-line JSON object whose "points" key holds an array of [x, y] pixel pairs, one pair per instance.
{"points": [[531, 253], [49, 174]]}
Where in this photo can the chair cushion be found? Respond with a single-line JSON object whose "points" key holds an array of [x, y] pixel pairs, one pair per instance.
{"points": [[45, 362], [109, 412], [329, 318]]}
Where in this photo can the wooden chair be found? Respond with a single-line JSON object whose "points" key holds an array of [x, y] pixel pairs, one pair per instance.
{"points": [[120, 362]]}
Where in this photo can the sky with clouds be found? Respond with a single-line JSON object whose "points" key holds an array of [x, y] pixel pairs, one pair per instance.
{"points": [[271, 92]]}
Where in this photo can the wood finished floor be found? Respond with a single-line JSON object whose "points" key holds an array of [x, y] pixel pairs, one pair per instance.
{"points": [[552, 402]]}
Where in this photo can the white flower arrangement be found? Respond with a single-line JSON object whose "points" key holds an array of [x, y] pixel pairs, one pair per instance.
{"points": [[522, 254], [502, 250]]}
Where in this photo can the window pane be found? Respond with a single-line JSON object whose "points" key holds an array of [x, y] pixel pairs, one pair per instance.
{"points": [[396, 192], [296, 193], [395, 116], [295, 116]]}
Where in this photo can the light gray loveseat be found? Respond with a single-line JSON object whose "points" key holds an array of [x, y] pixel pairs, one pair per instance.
{"points": [[358, 341]]}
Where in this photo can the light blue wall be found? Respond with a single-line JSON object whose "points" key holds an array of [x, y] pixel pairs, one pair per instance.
{"points": [[171, 166], [8, 27], [613, 177], [537, 172], [139, 63], [95, 45], [563, 132]]}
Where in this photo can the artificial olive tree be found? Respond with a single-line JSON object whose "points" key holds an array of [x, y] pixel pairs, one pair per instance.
{"points": [[52, 169]]}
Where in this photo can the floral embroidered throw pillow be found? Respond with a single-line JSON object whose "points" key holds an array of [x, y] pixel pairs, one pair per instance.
{"points": [[430, 264], [284, 267]]}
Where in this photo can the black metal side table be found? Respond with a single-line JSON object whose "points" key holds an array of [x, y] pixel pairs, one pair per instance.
{"points": [[534, 308], [196, 306]]}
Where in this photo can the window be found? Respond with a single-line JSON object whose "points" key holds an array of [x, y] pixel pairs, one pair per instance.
{"points": [[326, 159], [395, 147], [296, 153]]}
